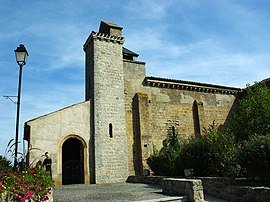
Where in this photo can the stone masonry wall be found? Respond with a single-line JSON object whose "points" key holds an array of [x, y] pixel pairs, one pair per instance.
{"points": [[134, 74], [184, 187], [195, 188], [151, 112], [174, 186], [174, 108], [217, 186], [225, 188], [111, 164]]}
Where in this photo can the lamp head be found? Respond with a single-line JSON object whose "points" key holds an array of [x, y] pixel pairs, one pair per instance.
{"points": [[21, 54]]}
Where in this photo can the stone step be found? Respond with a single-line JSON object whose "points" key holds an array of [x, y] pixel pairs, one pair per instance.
{"points": [[169, 198]]}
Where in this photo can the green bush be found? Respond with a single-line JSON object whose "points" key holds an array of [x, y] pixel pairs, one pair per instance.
{"points": [[5, 164], [253, 115], [163, 162], [192, 156], [254, 155], [211, 154]]}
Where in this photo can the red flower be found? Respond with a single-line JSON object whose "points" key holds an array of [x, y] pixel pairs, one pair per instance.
{"points": [[16, 196], [32, 171]]}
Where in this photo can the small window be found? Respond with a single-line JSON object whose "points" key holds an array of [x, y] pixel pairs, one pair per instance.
{"points": [[196, 118], [173, 130], [110, 130]]}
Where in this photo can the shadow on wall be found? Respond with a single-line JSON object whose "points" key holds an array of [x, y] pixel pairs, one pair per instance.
{"points": [[136, 147], [233, 109]]}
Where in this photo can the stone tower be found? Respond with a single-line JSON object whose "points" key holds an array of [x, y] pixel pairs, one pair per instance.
{"points": [[105, 89]]}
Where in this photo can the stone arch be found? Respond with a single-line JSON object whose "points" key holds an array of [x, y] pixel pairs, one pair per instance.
{"points": [[79, 147]]}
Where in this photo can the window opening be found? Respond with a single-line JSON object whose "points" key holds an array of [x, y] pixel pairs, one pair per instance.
{"points": [[110, 130], [173, 130], [196, 118]]}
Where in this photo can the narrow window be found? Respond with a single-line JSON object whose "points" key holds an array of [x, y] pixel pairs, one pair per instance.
{"points": [[196, 118], [110, 130], [173, 130]]}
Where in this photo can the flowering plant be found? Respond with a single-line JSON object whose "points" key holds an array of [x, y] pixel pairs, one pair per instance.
{"points": [[210, 154], [29, 185], [254, 155]]}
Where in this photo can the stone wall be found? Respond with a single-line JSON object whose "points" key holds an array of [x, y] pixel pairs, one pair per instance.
{"points": [[174, 108], [174, 186], [152, 110], [220, 187], [184, 187], [134, 74], [109, 121], [217, 186], [225, 188], [154, 180]]}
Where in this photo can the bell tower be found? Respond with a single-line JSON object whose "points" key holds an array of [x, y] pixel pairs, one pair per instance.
{"points": [[105, 89]]}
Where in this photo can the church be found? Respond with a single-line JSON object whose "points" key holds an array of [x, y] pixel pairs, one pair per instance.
{"points": [[125, 115]]}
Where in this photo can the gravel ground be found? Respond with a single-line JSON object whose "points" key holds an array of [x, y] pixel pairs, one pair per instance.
{"points": [[107, 192], [111, 192]]}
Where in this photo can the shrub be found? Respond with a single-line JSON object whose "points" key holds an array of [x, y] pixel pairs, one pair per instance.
{"points": [[163, 162], [5, 164], [254, 155], [253, 116], [211, 154]]}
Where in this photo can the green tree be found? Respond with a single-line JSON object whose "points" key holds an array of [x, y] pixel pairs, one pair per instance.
{"points": [[253, 116]]}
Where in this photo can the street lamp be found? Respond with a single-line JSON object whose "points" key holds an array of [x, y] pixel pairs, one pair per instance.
{"points": [[21, 58]]}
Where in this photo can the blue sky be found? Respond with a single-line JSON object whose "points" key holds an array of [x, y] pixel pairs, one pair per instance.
{"points": [[223, 42]]}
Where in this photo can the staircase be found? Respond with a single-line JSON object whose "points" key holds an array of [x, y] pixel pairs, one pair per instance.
{"points": [[169, 198]]}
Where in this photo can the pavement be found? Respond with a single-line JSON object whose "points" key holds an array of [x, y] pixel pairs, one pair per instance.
{"points": [[113, 192]]}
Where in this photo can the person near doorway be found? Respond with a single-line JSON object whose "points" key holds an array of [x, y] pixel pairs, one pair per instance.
{"points": [[47, 163]]}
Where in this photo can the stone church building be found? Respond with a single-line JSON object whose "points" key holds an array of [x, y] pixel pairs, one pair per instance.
{"points": [[125, 114]]}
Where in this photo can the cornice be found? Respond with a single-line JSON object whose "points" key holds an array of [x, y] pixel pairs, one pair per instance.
{"points": [[190, 86], [134, 61]]}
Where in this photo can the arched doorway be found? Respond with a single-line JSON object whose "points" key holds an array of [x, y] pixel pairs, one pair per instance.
{"points": [[72, 161]]}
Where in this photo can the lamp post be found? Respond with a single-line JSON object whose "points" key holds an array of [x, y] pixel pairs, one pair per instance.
{"points": [[21, 58]]}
